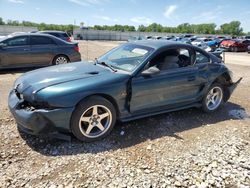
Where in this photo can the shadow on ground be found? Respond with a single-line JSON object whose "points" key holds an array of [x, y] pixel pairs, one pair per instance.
{"points": [[128, 134]]}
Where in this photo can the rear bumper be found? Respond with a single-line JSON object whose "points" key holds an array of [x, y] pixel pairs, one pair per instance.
{"points": [[75, 57], [39, 121], [234, 85], [231, 89]]}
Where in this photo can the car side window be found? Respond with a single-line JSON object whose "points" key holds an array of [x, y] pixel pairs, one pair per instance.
{"points": [[171, 59], [18, 41], [41, 40], [201, 58]]}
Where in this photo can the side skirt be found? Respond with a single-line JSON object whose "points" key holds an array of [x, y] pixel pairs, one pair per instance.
{"points": [[133, 117]]}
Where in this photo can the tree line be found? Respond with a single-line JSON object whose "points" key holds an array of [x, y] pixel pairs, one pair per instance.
{"points": [[233, 28]]}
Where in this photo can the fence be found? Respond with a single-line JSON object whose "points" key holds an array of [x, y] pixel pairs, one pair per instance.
{"points": [[7, 29], [85, 34], [111, 35]]}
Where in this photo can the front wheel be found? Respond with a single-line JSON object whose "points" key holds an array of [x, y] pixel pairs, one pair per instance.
{"points": [[93, 119], [213, 98]]}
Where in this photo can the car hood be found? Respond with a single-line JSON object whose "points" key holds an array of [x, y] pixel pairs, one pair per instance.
{"points": [[54, 75]]}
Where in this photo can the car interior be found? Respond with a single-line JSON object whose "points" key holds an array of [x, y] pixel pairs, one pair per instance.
{"points": [[172, 58]]}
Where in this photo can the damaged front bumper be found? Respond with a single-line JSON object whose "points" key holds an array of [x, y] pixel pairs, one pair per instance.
{"points": [[39, 121], [231, 88]]}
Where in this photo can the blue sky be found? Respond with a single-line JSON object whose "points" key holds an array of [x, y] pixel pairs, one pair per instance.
{"points": [[131, 12]]}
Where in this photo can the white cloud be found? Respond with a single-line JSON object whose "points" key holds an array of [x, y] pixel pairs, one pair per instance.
{"points": [[38, 8], [141, 20], [106, 18], [16, 1], [88, 2], [169, 11]]}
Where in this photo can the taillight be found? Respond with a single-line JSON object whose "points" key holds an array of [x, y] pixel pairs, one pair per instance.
{"points": [[76, 48], [68, 39]]}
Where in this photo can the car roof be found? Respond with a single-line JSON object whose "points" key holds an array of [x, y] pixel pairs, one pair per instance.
{"points": [[156, 44], [51, 31]]}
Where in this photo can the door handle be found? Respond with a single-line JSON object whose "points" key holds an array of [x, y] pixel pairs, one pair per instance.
{"points": [[191, 78], [25, 49]]}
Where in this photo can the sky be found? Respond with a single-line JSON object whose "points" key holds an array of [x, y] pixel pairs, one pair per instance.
{"points": [[129, 12]]}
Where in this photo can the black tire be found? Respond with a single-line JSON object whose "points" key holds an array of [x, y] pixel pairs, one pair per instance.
{"points": [[78, 127], [64, 59], [205, 106]]}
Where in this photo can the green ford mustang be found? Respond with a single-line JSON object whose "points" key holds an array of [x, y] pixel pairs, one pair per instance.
{"points": [[134, 80]]}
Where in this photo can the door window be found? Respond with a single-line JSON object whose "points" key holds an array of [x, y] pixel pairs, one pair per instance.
{"points": [[41, 40], [171, 59], [18, 41], [201, 58]]}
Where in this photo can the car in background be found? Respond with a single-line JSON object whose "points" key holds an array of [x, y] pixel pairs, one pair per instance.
{"points": [[36, 50], [248, 49], [60, 34], [233, 45]]}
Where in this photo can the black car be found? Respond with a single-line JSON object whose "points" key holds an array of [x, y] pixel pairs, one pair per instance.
{"points": [[31, 50], [59, 34]]}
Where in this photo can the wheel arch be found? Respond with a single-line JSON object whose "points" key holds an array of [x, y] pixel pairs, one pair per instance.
{"points": [[105, 96], [65, 55], [225, 80]]}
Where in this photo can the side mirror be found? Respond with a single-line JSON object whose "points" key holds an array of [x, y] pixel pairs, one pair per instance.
{"points": [[2, 45], [150, 71]]}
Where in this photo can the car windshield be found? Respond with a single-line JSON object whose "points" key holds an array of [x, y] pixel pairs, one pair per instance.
{"points": [[126, 57]]}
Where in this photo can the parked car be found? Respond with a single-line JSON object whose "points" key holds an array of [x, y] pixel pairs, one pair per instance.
{"points": [[248, 49], [135, 80], [233, 45], [60, 34], [32, 50]]}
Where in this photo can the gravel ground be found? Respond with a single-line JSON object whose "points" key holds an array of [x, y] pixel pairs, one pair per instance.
{"points": [[180, 149]]}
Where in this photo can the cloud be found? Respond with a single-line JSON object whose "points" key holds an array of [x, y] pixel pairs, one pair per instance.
{"points": [[169, 11], [88, 2], [16, 1], [106, 18], [141, 20], [38, 8]]}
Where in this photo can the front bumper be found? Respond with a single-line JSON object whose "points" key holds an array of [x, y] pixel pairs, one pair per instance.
{"points": [[39, 121]]}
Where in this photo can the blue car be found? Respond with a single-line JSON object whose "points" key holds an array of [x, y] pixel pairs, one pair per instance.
{"points": [[135, 80]]}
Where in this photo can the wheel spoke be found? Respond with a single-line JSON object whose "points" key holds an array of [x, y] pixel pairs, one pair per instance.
{"points": [[212, 101], [95, 110], [102, 116], [90, 127], [100, 126], [85, 119]]}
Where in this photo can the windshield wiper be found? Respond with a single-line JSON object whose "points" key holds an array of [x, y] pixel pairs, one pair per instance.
{"points": [[106, 65]]}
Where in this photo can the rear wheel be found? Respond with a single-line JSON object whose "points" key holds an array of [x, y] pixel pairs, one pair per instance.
{"points": [[213, 99], [60, 59], [93, 119]]}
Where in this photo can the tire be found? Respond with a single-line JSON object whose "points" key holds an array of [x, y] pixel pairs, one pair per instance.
{"points": [[93, 119], [211, 103], [60, 59]]}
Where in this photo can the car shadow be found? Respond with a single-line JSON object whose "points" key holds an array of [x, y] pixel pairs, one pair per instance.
{"points": [[132, 133]]}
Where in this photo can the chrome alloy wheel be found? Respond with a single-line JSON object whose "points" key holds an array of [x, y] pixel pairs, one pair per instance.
{"points": [[214, 98], [61, 60], [95, 121]]}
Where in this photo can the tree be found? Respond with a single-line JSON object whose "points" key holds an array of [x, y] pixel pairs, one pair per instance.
{"points": [[1, 21], [232, 28]]}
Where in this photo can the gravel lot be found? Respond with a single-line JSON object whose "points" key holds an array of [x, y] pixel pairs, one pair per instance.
{"points": [[180, 149]]}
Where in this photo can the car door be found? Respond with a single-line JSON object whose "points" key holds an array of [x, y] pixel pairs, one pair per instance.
{"points": [[42, 50], [169, 89], [16, 52]]}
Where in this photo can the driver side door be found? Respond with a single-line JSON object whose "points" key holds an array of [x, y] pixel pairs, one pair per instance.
{"points": [[168, 89]]}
